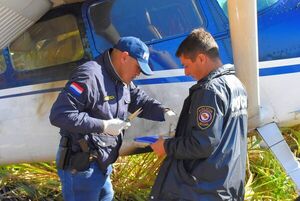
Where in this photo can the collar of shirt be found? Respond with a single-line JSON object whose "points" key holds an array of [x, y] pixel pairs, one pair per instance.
{"points": [[222, 70], [105, 61]]}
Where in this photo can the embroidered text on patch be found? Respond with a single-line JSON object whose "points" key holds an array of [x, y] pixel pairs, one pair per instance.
{"points": [[76, 88], [205, 116]]}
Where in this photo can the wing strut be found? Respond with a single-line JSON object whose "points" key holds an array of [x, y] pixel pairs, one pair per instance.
{"points": [[243, 31], [276, 143]]}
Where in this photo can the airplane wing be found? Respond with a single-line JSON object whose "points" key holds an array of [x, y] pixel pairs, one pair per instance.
{"points": [[17, 16], [60, 2]]}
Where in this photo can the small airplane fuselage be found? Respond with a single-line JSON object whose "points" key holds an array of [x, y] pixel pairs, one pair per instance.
{"points": [[35, 67]]}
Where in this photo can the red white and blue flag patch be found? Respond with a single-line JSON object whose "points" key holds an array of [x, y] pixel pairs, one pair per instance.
{"points": [[205, 116], [76, 88]]}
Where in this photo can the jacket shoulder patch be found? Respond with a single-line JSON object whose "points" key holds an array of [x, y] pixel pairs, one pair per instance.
{"points": [[76, 89], [205, 116]]}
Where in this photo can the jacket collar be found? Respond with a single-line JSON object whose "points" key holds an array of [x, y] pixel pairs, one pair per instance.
{"points": [[105, 61], [227, 69]]}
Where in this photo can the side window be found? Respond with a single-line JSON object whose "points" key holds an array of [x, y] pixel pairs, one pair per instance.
{"points": [[148, 20], [52, 42], [261, 5], [223, 5], [2, 63]]}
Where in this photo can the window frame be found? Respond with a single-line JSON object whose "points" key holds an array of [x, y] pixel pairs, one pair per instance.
{"points": [[195, 3], [2, 63], [51, 65]]}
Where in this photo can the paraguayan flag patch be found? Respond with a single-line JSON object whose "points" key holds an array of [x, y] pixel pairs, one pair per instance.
{"points": [[76, 88]]}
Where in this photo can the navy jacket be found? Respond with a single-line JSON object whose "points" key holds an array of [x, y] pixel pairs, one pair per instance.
{"points": [[94, 93], [206, 160]]}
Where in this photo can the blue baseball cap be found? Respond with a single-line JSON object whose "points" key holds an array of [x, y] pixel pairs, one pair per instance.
{"points": [[136, 49]]}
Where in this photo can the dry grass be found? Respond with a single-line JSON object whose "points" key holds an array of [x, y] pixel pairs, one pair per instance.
{"points": [[133, 176]]}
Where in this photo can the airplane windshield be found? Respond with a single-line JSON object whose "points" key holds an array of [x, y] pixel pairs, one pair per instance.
{"points": [[47, 43], [148, 20], [2, 62], [261, 5]]}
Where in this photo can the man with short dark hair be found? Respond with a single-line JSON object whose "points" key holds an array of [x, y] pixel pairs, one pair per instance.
{"points": [[207, 157], [91, 111]]}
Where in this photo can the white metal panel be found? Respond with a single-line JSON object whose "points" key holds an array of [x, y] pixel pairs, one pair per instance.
{"points": [[281, 93]]}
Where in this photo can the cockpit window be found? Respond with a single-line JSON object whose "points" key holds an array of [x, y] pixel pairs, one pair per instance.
{"points": [[2, 63], [148, 20], [261, 5], [52, 42]]}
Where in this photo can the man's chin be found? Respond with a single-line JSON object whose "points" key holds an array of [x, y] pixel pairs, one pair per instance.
{"points": [[187, 74]]}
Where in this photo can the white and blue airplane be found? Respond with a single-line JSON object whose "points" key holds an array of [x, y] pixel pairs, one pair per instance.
{"points": [[41, 41]]}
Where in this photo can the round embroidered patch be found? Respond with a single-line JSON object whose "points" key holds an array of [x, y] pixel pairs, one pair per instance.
{"points": [[205, 116]]}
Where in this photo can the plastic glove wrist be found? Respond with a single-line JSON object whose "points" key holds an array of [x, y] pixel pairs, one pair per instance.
{"points": [[169, 114], [114, 126]]}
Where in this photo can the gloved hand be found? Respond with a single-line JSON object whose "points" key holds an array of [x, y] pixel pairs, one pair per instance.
{"points": [[171, 120], [114, 126], [170, 115]]}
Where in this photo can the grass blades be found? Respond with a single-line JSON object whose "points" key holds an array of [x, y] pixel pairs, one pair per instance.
{"points": [[269, 181], [133, 176], [36, 182]]}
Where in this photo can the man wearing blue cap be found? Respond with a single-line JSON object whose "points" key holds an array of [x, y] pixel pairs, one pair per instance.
{"points": [[91, 111]]}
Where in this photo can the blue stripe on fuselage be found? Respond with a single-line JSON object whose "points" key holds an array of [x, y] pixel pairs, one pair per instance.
{"points": [[279, 70], [162, 80], [32, 93], [262, 72], [150, 81]]}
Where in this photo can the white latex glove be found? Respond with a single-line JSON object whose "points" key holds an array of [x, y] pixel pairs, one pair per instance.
{"points": [[114, 126], [171, 120], [170, 115]]}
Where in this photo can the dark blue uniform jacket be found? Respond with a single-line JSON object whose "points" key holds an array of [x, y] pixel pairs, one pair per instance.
{"points": [[94, 93], [206, 159]]}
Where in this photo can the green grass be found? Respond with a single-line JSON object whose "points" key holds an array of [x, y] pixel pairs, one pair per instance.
{"points": [[29, 182], [133, 176], [265, 177]]}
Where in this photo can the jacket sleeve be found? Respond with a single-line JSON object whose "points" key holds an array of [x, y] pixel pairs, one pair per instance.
{"points": [[206, 116], [69, 110], [152, 109]]}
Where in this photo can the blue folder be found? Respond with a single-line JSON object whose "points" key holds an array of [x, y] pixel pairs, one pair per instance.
{"points": [[149, 139]]}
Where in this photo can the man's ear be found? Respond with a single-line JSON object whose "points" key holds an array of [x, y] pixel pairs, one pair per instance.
{"points": [[202, 58], [124, 56]]}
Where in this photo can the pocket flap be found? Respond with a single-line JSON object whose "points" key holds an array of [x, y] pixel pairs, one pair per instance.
{"points": [[105, 140]]}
